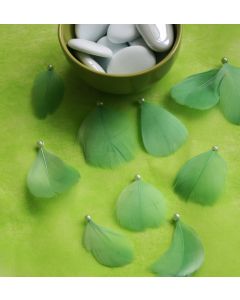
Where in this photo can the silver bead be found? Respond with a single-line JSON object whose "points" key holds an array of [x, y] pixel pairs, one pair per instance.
{"points": [[224, 60], [50, 67], [100, 103], [137, 177], [215, 148], [176, 217], [141, 101], [40, 144], [88, 218]]}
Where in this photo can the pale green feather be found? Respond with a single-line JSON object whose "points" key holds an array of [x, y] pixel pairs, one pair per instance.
{"points": [[197, 91], [229, 90], [50, 176], [202, 178], [162, 132], [140, 206], [108, 247], [184, 256], [47, 93], [107, 138]]}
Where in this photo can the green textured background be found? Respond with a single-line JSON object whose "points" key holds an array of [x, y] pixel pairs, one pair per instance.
{"points": [[43, 237]]}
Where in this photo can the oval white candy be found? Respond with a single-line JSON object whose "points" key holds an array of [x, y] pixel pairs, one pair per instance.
{"points": [[131, 59], [138, 42], [113, 46], [104, 62], [122, 33], [89, 47], [159, 37], [91, 32], [89, 61]]}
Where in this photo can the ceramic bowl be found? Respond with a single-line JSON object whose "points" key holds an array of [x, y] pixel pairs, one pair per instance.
{"points": [[119, 84]]}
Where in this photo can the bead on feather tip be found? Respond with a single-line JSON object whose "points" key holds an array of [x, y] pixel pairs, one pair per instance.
{"points": [[88, 218], [224, 60], [215, 148], [40, 144], [141, 101], [137, 177], [99, 103], [176, 217], [50, 67]]}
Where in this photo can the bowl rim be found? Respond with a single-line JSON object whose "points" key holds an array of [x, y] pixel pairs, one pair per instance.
{"points": [[161, 63]]}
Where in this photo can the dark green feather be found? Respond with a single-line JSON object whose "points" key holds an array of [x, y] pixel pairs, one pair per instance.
{"points": [[197, 91], [162, 132], [47, 93], [184, 256], [229, 89], [202, 178], [107, 137]]}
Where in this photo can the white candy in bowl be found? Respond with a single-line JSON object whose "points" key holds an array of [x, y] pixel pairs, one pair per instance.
{"points": [[121, 48]]}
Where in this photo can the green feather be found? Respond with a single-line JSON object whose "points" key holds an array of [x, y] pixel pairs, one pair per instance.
{"points": [[107, 138], [108, 247], [140, 206], [47, 93], [162, 132], [197, 91], [229, 90], [184, 256], [49, 175], [202, 178]]}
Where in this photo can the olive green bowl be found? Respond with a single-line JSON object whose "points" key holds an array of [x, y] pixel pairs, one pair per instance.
{"points": [[119, 84]]}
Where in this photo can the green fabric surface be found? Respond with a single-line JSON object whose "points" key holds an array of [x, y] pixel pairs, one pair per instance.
{"points": [[44, 237]]}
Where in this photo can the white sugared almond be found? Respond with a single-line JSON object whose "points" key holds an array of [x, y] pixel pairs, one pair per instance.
{"points": [[131, 59], [122, 33], [91, 32], [104, 62], [158, 37], [89, 47], [87, 60]]}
